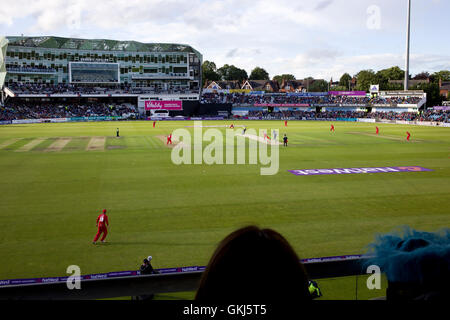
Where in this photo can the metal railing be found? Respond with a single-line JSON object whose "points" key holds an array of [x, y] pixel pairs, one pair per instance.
{"points": [[30, 70], [158, 283]]}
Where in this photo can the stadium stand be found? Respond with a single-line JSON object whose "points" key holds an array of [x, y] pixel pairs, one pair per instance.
{"points": [[72, 89], [22, 110], [325, 100], [428, 115], [56, 60], [38, 73], [18, 109]]}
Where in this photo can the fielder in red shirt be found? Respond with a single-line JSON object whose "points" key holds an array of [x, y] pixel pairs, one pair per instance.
{"points": [[102, 223], [408, 135], [154, 123], [332, 128], [285, 123], [169, 139], [377, 130]]}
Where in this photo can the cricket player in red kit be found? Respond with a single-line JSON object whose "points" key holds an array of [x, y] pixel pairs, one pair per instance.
{"points": [[377, 130], [285, 123], [408, 135], [169, 139], [102, 223], [154, 123], [332, 128]]}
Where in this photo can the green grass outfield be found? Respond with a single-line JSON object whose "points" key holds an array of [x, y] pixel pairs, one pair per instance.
{"points": [[55, 179]]}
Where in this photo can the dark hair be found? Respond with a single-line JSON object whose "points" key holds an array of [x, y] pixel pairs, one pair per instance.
{"points": [[254, 264]]}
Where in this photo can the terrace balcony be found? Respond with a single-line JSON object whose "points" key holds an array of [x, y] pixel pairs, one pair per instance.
{"points": [[162, 76], [30, 70]]}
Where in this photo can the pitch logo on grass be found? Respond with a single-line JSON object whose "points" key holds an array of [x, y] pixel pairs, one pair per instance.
{"points": [[228, 149], [313, 172]]}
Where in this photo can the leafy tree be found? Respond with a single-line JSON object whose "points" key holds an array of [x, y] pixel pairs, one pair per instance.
{"points": [[364, 79], [209, 72], [339, 88], [344, 81], [318, 86], [422, 76], [393, 73], [392, 86], [209, 65], [280, 78], [443, 74], [433, 92], [228, 72], [307, 82], [259, 74]]}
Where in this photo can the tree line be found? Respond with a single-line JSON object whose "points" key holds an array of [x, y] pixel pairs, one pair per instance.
{"points": [[364, 79]]}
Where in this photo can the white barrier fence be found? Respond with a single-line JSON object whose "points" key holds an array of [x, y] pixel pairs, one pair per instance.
{"points": [[52, 120], [366, 120], [418, 123], [58, 120]]}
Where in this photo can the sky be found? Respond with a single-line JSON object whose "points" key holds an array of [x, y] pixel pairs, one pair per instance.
{"points": [[318, 38]]}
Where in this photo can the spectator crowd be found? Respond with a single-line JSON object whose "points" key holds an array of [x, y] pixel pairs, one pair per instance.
{"points": [[27, 110], [47, 110], [69, 88], [427, 115], [253, 99]]}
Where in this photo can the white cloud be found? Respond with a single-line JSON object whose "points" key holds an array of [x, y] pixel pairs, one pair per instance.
{"points": [[320, 38]]}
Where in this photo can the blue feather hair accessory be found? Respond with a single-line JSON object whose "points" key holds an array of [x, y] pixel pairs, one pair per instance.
{"points": [[412, 256]]}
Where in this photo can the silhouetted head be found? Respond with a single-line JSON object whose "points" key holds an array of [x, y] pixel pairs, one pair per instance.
{"points": [[254, 264]]}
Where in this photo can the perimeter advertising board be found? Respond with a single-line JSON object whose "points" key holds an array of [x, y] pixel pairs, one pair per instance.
{"points": [[163, 105]]}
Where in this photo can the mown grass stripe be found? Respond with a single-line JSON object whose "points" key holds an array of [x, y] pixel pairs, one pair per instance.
{"points": [[96, 144], [149, 142], [303, 137], [30, 145], [76, 144], [9, 142], [58, 145], [156, 143]]}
